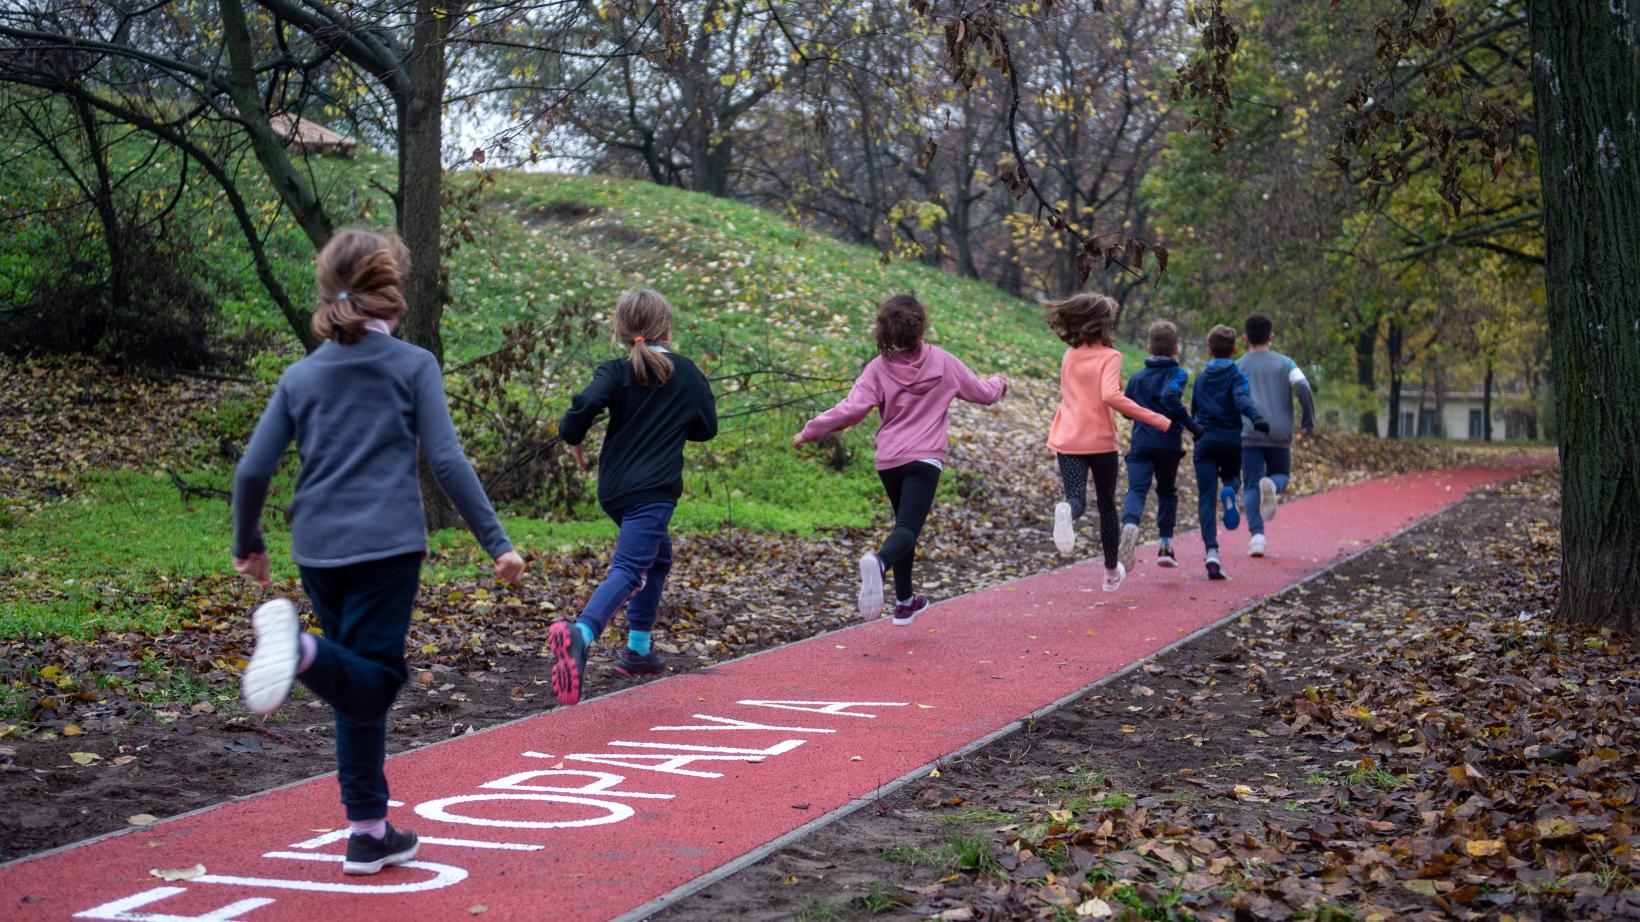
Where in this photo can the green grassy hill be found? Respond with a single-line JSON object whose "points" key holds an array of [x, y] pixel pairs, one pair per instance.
{"points": [[753, 290]]}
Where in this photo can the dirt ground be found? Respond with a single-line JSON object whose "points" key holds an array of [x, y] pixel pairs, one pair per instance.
{"points": [[1188, 740]]}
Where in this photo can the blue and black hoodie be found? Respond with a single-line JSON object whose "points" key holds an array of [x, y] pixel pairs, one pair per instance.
{"points": [[1159, 386], [1221, 398]]}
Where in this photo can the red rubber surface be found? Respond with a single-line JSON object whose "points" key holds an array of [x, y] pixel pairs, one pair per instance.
{"points": [[966, 668]]}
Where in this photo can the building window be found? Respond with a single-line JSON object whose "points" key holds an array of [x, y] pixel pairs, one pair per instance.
{"points": [[1477, 424], [1406, 424], [1428, 424]]}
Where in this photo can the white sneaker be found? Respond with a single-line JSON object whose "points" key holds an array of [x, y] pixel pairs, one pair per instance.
{"points": [[871, 586], [272, 668], [1113, 583], [1064, 529], [1255, 547], [1130, 543], [1266, 498]]}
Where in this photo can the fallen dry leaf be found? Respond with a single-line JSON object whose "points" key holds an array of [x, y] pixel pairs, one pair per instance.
{"points": [[172, 875]]}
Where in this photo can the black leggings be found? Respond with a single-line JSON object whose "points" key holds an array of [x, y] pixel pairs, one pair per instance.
{"points": [[1073, 471], [911, 493]]}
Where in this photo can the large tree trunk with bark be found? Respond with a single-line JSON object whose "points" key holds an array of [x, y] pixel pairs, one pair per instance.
{"points": [[1586, 83], [420, 205]]}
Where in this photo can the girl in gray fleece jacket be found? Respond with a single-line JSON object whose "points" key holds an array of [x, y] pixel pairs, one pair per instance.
{"points": [[357, 407]]}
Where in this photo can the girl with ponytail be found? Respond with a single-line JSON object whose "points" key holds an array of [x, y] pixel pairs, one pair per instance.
{"points": [[357, 408], [657, 400]]}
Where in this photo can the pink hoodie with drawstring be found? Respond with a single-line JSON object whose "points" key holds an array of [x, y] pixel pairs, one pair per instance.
{"points": [[913, 390]]}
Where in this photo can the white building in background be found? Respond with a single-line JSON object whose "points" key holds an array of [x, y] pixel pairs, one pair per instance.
{"points": [[1461, 415]]}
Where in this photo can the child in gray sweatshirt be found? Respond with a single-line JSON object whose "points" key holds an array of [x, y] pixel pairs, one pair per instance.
{"points": [[357, 408], [1267, 457]]}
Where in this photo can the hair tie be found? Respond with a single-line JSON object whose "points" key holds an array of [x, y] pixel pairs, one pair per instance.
{"points": [[637, 340], [341, 296]]}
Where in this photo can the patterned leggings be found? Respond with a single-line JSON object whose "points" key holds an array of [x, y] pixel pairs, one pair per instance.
{"points": [[1073, 472]]}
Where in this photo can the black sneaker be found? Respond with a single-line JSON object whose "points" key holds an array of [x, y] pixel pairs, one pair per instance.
{"points": [[635, 665], [368, 854], [569, 661], [907, 612], [1166, 558]]}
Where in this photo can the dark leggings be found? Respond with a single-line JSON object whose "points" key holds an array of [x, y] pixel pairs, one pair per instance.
{"points": [[365, 611], [911, 492], [1073, 470]]}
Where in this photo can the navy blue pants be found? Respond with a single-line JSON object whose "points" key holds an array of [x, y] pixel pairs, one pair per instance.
{"points": [[1258, 462], [1215, 461], [364, 609], [637, 572], [1161, 465]]}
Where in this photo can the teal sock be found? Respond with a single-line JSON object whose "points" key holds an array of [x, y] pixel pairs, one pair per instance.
{"points": [[638, 642], [1167, 541], [585, 632]]}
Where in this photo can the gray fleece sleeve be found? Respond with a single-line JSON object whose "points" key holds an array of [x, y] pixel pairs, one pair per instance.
{"points": [[250, 480], [449, 464]]}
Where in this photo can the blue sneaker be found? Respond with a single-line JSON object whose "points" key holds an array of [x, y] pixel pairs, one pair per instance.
{"points": [[1232, 515]]}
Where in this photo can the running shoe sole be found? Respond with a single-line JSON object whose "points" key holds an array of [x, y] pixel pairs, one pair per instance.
{"points": [[1126, 551], [871, 587], [272, 669], [1232, 515], [1064, 530], [1267, 498], [566, 679]]}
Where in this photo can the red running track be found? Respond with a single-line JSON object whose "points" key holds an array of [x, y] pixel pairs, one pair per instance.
{"points": [[611, 807]]}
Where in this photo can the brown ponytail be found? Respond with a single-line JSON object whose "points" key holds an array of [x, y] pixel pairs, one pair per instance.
{"points": [[361, 276], [643, 320]]}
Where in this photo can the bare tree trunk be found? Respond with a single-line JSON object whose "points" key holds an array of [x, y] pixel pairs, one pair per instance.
{"points": [[1394, 348], [420, 204], [1586, 84], [1486, 405], [1366, 353]]}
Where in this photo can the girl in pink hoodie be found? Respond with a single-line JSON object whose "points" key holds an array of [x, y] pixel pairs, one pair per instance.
{"points": [[912, 385], [1084, 428]]}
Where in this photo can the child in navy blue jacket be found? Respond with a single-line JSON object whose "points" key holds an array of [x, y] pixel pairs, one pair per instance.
{"points": [[657, 400], [1220, 399], [1154, 454]]}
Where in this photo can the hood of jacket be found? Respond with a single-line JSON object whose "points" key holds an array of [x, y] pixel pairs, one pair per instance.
{"points": [[1161, 361], [916, 370]]}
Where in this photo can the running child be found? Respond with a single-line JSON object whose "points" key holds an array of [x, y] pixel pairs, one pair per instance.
{"points": [[1267, 458], [1218, 403], [1083, 434], [657, 400], [357, 408], [911, 384], [1153, 453]]}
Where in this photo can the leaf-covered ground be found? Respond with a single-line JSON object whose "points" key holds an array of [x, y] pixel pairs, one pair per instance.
{"points": [[1408, 737], [94, 722]]}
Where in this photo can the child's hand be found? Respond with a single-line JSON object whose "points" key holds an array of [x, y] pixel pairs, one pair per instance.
{"points": [[1196, 432], [579, 456], [1005, 385], [797, 440], [255, 567], [1262, 427], [510, 567]]}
